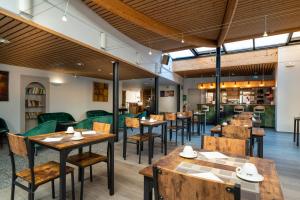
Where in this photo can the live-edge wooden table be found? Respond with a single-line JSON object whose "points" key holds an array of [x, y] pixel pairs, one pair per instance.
{"points": [[66, 145], [269, 189]]}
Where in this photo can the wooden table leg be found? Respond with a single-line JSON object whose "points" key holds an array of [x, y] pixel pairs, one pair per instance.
{"points": [[148, 186]]}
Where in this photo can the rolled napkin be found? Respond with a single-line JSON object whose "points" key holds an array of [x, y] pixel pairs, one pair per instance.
{"points": [[90, 132]]}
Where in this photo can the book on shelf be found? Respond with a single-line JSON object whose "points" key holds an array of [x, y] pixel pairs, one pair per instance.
{"points": [[32, 115], [36, 91], [33, 103]]}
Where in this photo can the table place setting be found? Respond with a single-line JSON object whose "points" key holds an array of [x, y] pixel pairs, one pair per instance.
{"points": [[188, 152], [52, 139], [89, 132], [77, 136], [70, 130]]}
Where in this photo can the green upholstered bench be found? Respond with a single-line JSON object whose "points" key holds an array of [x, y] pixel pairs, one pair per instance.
{"points": [[57, 116], [97, 113]]}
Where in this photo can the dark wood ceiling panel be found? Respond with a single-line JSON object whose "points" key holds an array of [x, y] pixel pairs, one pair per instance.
{"points": [[244, 70], [38, 47]]}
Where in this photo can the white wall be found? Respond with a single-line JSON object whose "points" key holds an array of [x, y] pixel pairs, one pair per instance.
{"points": [[288, 92], [73, 96], [168, 104], [85, 25]]}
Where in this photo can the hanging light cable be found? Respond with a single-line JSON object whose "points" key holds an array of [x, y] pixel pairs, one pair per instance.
{"points": [[64, 17], [265, 32]]}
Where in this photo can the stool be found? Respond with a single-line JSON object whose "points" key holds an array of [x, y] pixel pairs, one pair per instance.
{"points": [[296, 129], [238, 109]]}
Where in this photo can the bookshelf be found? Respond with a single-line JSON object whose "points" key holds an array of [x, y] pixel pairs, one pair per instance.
{"points": [[35, 103]]}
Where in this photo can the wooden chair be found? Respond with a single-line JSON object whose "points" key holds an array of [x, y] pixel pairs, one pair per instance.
{"points": [[170, 184], [186, 124], [226, 145], [238, 109], [35, 176], [171, 118], [236, 132], [138, 139], [87, 159], [157, 135]]}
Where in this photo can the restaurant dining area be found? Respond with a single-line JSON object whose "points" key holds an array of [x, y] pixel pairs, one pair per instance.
{"points": [[149, 99]]}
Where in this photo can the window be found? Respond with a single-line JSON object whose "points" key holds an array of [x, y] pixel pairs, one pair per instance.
{"points": [[239, 45], [202, 50], [296, 36], [181, 54], [271, 40]]}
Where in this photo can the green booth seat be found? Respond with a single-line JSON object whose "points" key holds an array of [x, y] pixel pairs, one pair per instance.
{"points": [[97, 113], [84, 124], [60, 117], [44, 128]]}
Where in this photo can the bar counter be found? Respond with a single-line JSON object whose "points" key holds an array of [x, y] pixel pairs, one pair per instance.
{"points": [[268, 118]]}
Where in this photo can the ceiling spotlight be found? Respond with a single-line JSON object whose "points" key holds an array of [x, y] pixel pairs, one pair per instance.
{"points": [[75, 76], [64, 17], [4, 41], [182, 40], [265, 32], [110, 73], [99, 70], [80, 64], [262, 84], [150, 52]]}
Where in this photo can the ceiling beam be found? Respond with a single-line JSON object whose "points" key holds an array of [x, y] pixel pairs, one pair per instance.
{"points": [[228, 60], [126, 12], [227, 20]]}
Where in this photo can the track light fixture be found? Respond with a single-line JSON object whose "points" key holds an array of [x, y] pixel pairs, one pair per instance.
{"points": [[265, 32], [64, 17]]}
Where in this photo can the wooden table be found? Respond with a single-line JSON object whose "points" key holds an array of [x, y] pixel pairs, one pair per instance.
{"points": [[66, 145], [188, 120], [269, 189], [151, 125], [257, 133]]}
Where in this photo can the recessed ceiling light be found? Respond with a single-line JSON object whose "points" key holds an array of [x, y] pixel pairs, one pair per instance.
{"points": [[110, 73], [99, 70], [80, 64], [4, 41]]}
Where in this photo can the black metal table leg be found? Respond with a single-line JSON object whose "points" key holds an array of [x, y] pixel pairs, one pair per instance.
{"points": [[198, 124], [111, 166], [182, 133], [297, 124], [204, 127], [260, 147], [62, 177], [148, 185], [165, 138], [294, 129], [150, 146]]}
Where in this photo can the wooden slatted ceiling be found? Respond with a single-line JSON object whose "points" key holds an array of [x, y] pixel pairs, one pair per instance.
{"points": [[244, 70], [203, 18], [33, 46]]}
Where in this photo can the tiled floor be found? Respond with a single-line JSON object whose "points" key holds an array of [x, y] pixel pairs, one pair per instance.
{"points": [[129, 184]]}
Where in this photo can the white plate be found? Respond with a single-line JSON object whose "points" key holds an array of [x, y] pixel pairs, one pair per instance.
{"points": [[189, 156], [256, 178], [76, 138]]}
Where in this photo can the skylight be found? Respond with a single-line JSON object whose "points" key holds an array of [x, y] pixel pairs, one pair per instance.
{"points": [[181, 54], [201, 50], [296, 36], [271, 40], [239, 45]]}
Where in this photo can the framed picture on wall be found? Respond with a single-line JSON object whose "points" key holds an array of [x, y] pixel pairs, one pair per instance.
{"points": [[4, 81], [100, 92], [168, 93]]}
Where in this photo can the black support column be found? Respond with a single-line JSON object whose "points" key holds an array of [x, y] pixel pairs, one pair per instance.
{"points": [[178, 97], [156, 87], [116, 99], [218, 78]]}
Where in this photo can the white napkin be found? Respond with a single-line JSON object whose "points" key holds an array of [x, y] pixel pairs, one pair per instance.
{"points": [[208, 176], [213, 155], [88, 132], [52, 139]]}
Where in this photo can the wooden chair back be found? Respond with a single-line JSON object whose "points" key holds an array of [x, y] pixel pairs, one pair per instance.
{"points": [[259, 109], [17, 144], [132, 122], [171, 184], [239, 109], [157, 117], [189, 113], [226, 145], [236, 132], [170, 116], [241, 122], [102, 127]]}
